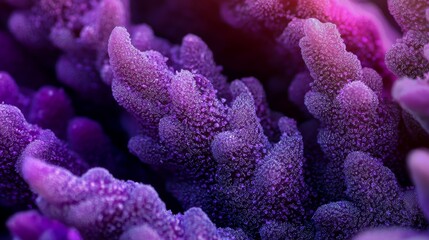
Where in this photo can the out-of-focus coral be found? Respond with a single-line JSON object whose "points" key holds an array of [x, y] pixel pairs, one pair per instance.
{"points": [[393, 234], [87, 138], [80, 29], [14, 59], [102, 207], [50, 114], [31, 225], [49, 107], [412, 96]]}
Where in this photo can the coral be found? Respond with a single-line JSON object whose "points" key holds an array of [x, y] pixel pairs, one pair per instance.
{"points": [[215, 119], [32, 225], [411, 95], [18, 138], [418, 163], [14, 59], [49, 107], [375, 200], [100, 206], [347, 100], [207, 144], [80, 29], [406, 58], [281, 21]]}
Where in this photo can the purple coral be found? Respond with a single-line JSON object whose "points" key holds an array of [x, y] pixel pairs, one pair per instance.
{"points": [[50, 113], [418, 165], [411, 94], [219, 149], [101, 207], [281, 20], [199, 91], [375, 200], [80, 29], [18, 139], [406, 57], [49, 107], [32, 225], [347, 100]]}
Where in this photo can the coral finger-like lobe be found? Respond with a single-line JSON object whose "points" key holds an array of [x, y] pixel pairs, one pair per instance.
{"points": [[100, 206], [49, 107], [348, 102], [418, 161], [88, 139], [18, 139], [207, 141], [96, 204], [410, 15], [15, 135], [406, 57], [376, 200], [194, 55], [393, 234], [225, 163], [281, 20], [148, 102]]}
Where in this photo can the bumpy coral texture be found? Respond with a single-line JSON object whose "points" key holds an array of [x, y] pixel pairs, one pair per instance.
{"points": [[418, 163], [207, 142], [50, 115], [406, 57], [101, 207], [348, 102], [280, 20], [93, 101], [411, 94], [18, 139]]}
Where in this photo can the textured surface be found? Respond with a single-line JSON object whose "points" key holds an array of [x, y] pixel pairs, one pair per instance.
{"points": [[215, 119]]}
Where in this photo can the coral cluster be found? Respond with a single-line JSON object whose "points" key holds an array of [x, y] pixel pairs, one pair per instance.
{"points": [[114, 128]]}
